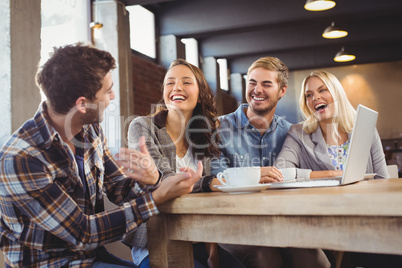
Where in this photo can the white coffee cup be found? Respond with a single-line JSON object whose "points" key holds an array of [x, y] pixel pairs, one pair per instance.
{"points": [[240, 176], [288, 173]]}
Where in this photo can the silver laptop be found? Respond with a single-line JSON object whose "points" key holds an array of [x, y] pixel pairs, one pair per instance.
{"points": [[358, 154]]}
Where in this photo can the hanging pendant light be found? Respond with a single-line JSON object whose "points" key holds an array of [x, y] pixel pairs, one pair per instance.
{"points": [[342, 56], [319, 5], [332, 32]]}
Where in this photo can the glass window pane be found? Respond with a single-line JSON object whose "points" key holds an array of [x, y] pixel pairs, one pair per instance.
{"points": [[142, 30], [223, 74], [64, 22], [191, 46]]}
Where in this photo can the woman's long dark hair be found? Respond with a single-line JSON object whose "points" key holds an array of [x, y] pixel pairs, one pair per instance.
{"points": [[204, 116]]}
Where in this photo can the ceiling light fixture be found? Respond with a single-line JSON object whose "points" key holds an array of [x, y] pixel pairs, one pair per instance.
{"points": [[332, 32], [342, 56], [319, 5], [95, 25]]}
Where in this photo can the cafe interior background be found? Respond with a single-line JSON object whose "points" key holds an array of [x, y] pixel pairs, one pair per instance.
{"points": [[221, 37]]}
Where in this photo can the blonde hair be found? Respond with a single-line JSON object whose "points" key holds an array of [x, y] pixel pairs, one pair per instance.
{"points": [[344, 112], [272, 64]]}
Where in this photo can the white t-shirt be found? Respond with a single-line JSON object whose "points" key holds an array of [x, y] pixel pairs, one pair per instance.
{"points": [[187, 161]]}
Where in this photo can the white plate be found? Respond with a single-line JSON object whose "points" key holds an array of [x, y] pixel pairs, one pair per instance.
{"points": [[243, 188]]}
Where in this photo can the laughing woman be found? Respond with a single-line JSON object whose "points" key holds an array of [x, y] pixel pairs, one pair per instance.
{"points": [[320, 143], [181, 132]]}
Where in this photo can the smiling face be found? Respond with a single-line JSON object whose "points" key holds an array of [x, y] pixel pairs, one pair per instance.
{"points": [[263, 91], [180, 89], [319, 100]]}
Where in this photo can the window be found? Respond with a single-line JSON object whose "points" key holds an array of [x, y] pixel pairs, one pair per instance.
{"points": [[63, 22], [223, 74], [142, 30], [191, 46]]}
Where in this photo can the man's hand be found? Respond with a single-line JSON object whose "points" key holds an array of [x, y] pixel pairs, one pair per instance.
{"points": [[270, 174], [177, 185], [138, 165]]}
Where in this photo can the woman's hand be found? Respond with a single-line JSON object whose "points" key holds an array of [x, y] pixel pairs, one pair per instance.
{"points": [[138, 165], [270, 174]]}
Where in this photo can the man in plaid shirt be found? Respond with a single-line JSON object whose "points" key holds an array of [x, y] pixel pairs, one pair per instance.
{"points": [[55, 168]]}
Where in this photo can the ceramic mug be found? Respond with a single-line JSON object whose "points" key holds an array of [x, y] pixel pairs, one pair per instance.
{"points": [[240, 176]]}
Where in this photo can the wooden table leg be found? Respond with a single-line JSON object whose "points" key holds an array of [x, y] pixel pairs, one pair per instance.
{"points": [[166, 253]]}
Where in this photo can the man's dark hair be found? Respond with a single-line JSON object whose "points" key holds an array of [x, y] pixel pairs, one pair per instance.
{"points": [[73, 71]]}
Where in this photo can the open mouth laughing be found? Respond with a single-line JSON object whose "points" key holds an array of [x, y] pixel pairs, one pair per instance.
{"points": [[259, 98], [178, 97], [320, 106]]}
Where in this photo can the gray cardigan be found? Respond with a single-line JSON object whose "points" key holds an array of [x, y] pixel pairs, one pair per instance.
{"points": [[163, 152], [309, 151]]}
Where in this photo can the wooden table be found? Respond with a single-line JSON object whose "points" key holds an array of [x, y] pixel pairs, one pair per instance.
{"points": [[365, 216]]}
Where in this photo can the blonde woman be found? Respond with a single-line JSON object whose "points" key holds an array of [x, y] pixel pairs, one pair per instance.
{"points": [[320, 143]]}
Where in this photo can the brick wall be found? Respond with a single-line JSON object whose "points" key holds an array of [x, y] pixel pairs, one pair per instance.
{"points": [[147, 84], [229, 103]]}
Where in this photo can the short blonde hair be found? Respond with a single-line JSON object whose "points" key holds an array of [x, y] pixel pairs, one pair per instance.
{"points": [[344, 112], [272, 64]]}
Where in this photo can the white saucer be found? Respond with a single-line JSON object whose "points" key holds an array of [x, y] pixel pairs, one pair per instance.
{"points": [[243, 188], [369, 176]]}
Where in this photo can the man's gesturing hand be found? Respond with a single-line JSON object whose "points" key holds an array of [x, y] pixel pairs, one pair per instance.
{"points": [[138, 165], [177, 185]]}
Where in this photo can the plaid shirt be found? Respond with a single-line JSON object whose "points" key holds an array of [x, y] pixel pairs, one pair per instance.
{"points": [[47, 219]]}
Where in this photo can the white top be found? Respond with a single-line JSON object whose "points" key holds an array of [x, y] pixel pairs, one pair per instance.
{"points": [[187, 161]]}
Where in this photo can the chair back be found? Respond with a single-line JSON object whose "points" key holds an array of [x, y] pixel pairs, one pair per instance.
{"points": [[393, 171]]}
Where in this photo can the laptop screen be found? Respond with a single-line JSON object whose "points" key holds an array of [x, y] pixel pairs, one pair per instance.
{"points": [[360, 145]]}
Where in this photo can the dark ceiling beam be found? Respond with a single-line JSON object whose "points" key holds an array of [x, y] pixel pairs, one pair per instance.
{"points": [[245, 30], [198, 18], [322, 57], [290, 38]]}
